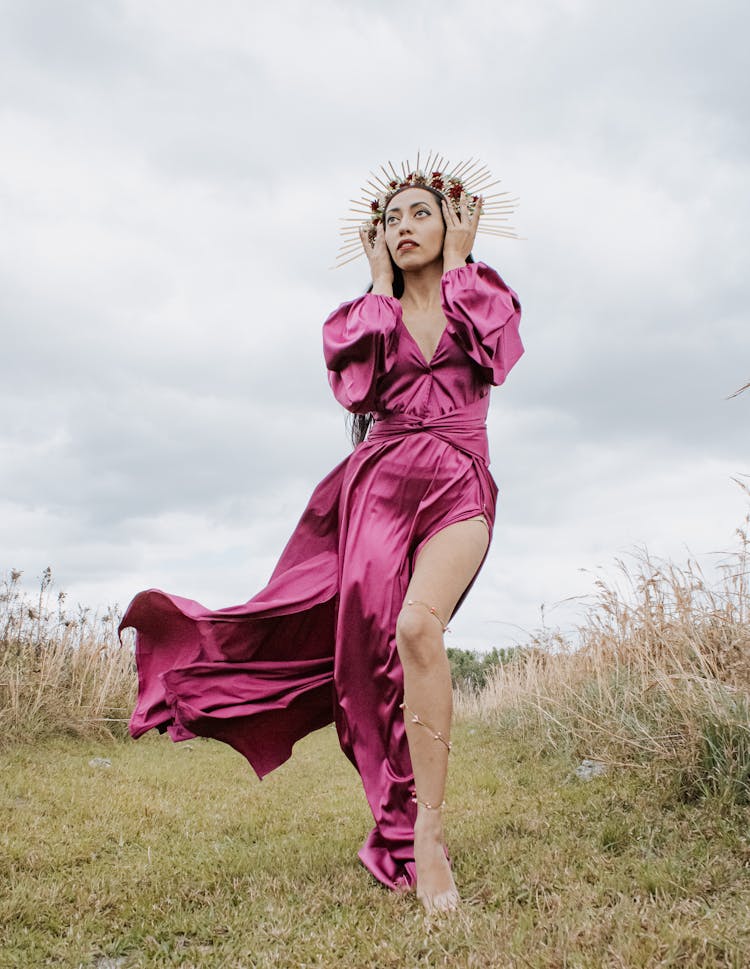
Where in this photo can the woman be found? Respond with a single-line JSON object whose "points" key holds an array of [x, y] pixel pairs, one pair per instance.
{"points": [[350, 627]]}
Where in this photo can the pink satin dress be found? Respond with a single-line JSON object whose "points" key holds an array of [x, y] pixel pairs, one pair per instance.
{"points": [[317, 644]]}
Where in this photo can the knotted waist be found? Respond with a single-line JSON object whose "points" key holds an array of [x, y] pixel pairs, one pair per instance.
{"points": [[464, 428]]}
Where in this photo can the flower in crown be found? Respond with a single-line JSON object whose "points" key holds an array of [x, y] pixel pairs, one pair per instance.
{"points": [[471, 178]]}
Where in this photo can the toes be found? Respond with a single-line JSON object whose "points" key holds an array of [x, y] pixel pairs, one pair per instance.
{"points": [[434, 872], [439, 904]]}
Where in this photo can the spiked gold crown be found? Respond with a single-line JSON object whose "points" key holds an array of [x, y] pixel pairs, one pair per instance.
{"points": [[471, 177]]}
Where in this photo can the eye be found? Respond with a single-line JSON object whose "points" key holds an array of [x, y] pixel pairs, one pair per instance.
{"points": [[423, 212], [390, 219]]}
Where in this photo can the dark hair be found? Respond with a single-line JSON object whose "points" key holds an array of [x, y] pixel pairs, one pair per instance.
{"points": [[361, 423]]}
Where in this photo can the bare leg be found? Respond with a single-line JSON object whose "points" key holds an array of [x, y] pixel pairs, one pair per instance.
{"points": [[444, 568]]}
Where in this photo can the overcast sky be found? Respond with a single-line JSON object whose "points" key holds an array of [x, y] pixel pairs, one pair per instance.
{"points": [[171, 179]]}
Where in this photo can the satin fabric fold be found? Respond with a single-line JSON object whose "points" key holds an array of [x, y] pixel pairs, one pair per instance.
{"points": [[464, 428]]}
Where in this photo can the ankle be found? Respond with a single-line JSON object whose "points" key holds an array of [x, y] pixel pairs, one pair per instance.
{"points": [[429, 824]]}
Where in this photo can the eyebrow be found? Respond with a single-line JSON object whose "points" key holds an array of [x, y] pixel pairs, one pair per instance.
{"points": [[414, 205]]}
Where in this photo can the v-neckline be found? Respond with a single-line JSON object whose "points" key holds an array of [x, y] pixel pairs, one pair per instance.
{"points": [[427, 363]]}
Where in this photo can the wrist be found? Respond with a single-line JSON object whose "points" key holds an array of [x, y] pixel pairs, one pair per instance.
{"points": [[382, 287], [452, 261]]}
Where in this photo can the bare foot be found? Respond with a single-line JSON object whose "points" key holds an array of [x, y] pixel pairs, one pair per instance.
{"points": [[436, 888]]}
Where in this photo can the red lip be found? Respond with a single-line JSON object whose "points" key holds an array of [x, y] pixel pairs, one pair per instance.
{"points": [[407, 242]]}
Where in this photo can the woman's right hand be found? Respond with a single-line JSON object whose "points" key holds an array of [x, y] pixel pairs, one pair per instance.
{"points": [[381, 268]]}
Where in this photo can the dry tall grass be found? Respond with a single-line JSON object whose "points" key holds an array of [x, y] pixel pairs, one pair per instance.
{"points": [[60, 672], [659, 678]]}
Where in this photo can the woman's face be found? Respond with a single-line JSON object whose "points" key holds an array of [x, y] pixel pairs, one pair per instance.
{"points": [[414, 228]]}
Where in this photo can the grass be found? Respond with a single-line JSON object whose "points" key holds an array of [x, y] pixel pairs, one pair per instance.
{"points": [[658, 679], [177, 856], [61, 672]]}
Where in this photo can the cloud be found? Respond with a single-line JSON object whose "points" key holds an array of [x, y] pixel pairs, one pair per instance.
{"points": [[171, 184]]}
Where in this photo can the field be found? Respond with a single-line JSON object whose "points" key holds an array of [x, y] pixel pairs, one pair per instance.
{"points": [[177, 856]]}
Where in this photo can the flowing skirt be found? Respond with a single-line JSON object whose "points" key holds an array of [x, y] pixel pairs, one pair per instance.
{"points": [[317, 644]]}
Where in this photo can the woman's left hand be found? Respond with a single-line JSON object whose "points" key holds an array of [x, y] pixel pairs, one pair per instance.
{"points": [[460, 230]]}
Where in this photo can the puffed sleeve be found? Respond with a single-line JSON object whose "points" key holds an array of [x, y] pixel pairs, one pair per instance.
{"points": [[359, 345], [483, 316]]}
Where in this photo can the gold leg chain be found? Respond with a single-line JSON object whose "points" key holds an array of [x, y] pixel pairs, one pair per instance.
{"points": [[418, 602], [436, 735], [430, 807], [415, 718]]}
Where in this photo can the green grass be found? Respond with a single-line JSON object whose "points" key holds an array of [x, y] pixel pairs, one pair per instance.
{"points": [[177, 856]]}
